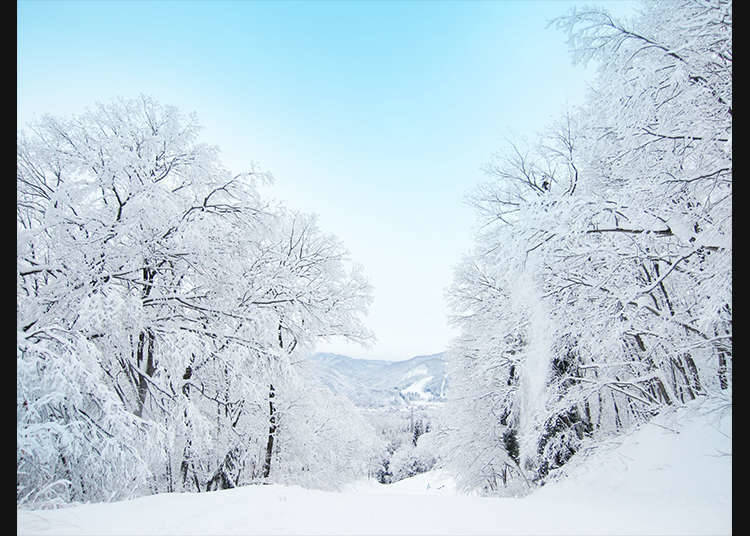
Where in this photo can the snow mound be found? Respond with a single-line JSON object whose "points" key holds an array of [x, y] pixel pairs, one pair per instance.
{"points": [[435, 482], [672, 476]]}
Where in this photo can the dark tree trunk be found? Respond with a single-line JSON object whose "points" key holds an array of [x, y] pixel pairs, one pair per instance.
{"points": [[145, 346], [271, 432], [683, 387], [170, 482], [227, 475], [723, 382], [618, 421]]}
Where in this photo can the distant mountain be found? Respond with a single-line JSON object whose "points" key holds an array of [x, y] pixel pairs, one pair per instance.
{"points": [[370, 383]]}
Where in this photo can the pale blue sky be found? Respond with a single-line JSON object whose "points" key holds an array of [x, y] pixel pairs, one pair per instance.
{"points": [[377, 115]]}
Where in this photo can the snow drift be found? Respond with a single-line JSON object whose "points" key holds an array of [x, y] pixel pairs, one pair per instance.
{"points": [[671, 476]]}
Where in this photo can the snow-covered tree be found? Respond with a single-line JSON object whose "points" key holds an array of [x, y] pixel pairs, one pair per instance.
{"points": [[74, 439], [151, 273], [323, 440], [412, 458], [600, 288]]}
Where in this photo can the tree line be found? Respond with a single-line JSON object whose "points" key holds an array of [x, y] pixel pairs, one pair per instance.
{"points": [[163, 312], [599, 289]]}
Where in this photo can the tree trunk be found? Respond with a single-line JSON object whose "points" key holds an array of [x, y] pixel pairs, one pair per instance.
{"points": [[145, 343], [271, 432], [145, 339], [723, 382]]}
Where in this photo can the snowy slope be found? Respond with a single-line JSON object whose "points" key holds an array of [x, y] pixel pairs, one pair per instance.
{"points": [[374, 383], [665, 478]]}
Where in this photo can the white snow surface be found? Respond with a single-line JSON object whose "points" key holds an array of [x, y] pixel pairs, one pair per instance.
{"points": [[418, 387], [417, 371], [672, 476]]}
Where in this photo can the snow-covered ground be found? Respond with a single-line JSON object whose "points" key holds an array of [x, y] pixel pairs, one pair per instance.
{"points": [[664, 478], [418, 388]]}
